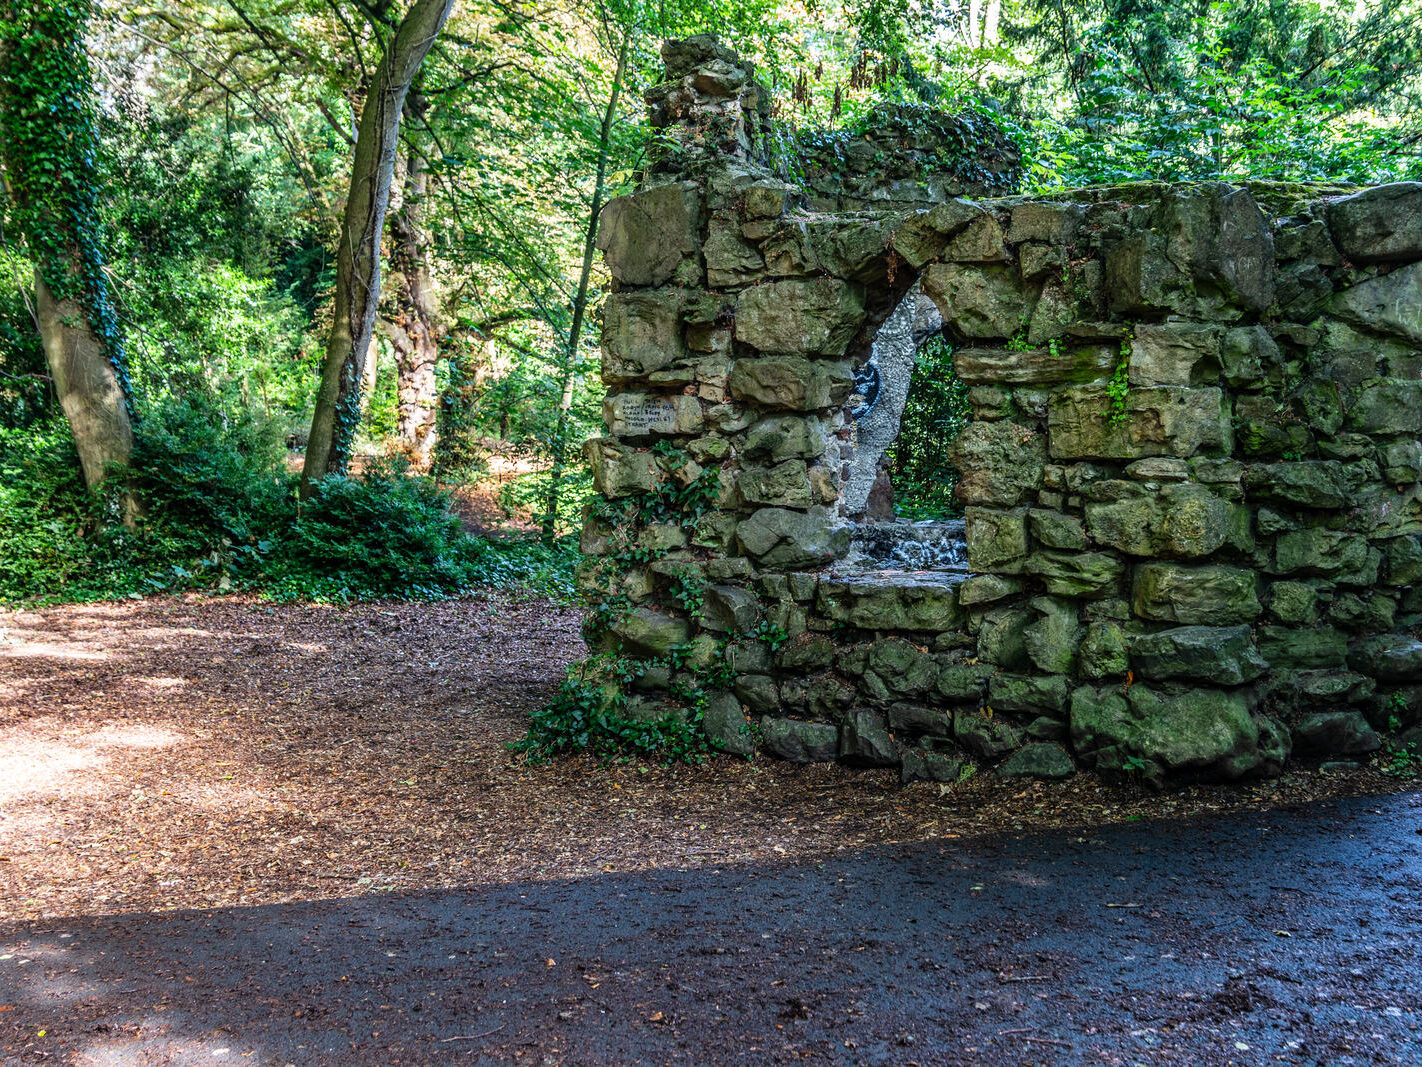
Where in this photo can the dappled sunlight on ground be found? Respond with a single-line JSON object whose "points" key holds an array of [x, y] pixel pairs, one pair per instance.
{"points": [[232, 752]]}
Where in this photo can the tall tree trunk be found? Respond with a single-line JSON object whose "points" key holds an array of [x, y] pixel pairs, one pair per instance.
{"points": [[337, 409], [416, 329], [49, 146], [580, 301], [87, 384]]}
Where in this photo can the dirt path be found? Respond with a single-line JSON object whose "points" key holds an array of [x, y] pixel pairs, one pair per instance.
{"points": [[185, 781]]}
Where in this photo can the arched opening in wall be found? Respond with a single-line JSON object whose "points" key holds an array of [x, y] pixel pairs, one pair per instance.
{"points": [[907, 408]]}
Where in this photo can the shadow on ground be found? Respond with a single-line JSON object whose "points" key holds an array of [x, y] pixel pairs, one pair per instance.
{"points": [[1286, 936]]}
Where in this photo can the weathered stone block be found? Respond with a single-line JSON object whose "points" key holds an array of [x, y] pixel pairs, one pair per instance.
{"points": [[730, 260], [979, 302], [1322, 552], [922, 765], [1210, 249], [781, 437], [919, 719], [1174, 353], [726, 726], [1221, 238], [1379, 225], [1302, 647], [1088, 575], [1199, 730], [1336, 733], [1374, 613], [1056, 530], [808, 652], [1401, 462], [1041, 221], [924, 235], [1404, 560], [865, 740], [1212, 595], [996, 540], [980, 242], [1028, 692], [986, 589], [964, 682], [1390, 304], [730, 609], [904, 668], [793, 540], [800, 742], [641, 333], [903, 603], [1001, 640], [1035, 260], [651, 633], [1052, 640], [1039, 760], [618, 470], [1246, 352], [758, 692], [1307, 483], [1102, 655], [989, 738], [650, 236], [1389, 658], [1295, 603], [1214, 654], [784, 485], [1164, 421], [644, 415], [1000, 462], [790, 383], [793, 317], [1034, 366], [1181, 521], [1389, 405]]}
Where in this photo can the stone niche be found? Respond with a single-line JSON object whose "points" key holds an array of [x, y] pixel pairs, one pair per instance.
{"points": [[1193, 483]]}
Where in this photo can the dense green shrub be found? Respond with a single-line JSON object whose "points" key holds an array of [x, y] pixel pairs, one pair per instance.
{"points": [[581, 719], [220, 513]]}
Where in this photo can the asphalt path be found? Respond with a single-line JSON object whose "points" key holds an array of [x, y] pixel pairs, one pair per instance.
{"points": [[1278, 936]]}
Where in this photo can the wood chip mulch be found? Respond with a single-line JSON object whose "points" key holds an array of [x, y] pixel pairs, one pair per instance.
{"points": [[190, 752]]}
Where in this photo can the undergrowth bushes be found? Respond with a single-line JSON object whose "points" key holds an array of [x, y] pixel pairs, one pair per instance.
{"points": [[221, 513]]}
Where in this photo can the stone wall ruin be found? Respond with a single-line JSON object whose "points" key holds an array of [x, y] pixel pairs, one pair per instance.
{"points": [[1193, 483]]}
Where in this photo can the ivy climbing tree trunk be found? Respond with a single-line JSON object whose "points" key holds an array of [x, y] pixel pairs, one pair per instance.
{"points": [[337, 410], [415, 323], [49, 148], [580, 300]]}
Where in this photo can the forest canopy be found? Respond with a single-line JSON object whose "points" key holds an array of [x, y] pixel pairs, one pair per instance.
{"points": [[179, 181]]}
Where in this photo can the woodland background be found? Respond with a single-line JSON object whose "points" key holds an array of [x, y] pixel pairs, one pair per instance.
{"points": [[222, 138]]}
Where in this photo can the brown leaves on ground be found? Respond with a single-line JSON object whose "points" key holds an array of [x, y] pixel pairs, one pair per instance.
{"points": [[190, 753]]}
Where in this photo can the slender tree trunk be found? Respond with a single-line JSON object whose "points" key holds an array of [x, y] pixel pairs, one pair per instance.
{"points": [[416, 329], [87, 385], [337, 409], [580, 301]]}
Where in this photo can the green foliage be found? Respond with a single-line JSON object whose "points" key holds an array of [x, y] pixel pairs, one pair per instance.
{"points": [[50, 147], [25, 393], [1287, 90], [221, 513], [935, 413], [529, 492], [582, 718], [1401, 760], [1119, 386]]}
